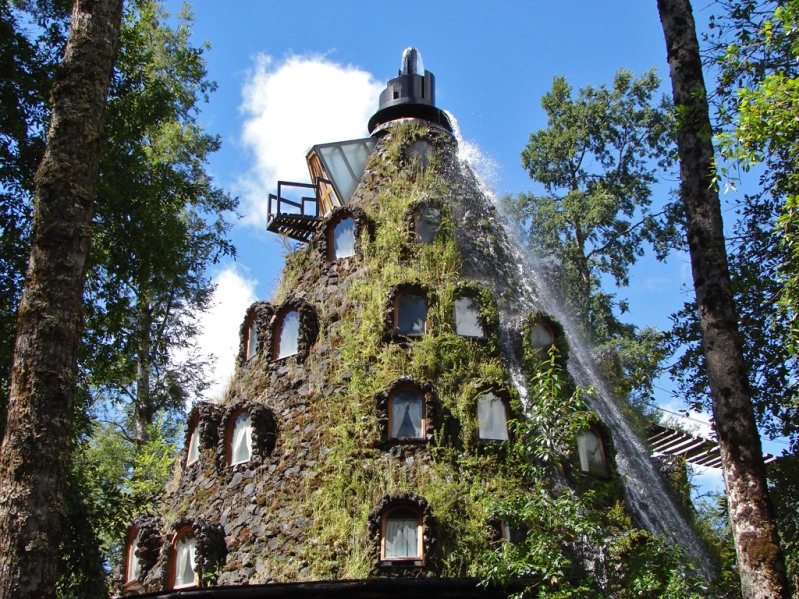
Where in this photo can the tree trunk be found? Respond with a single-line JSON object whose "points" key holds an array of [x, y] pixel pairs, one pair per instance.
{"points": [[760, 559], [34, 458]]}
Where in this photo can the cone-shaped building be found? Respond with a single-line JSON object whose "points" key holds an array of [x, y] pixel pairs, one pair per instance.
{"points": [[367, 434]]}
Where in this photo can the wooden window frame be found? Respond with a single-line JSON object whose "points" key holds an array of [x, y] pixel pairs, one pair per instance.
{"points": [[417, 560], [252, 321], [183, 531], [130, 584], [390, 411]]}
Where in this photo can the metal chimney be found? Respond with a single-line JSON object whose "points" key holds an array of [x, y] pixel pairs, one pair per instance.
{"points": [[412, 94]]}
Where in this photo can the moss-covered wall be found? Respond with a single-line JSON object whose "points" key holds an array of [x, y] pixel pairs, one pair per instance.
{"points": [[305, 509]]}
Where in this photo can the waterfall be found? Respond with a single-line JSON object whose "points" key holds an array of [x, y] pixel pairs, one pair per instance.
{"points": [[648, 495]]}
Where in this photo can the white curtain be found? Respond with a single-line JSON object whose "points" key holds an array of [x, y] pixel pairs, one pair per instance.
{"points": [[492, 418], [402, 535], [344, 239], [184, 561], [194, 447], [252, 340], [589, 447], [466, 318], [289, 334], [241, 441], [406, 415]]}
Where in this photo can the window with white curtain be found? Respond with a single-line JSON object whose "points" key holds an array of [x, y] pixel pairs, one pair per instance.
{"points": [[467, 321], [241, 439], [289, 334], [134, 566], [252, 339], [592, 458], [193, 453], [343, 239], [492, 418], [185, 560], [411, 314], [402, 535], [406, 415]]}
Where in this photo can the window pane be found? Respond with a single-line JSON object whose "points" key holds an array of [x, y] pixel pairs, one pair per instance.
{"points": [[541, 337], [589, 447], [134, 567], [289, 333], [241, 439], [492, 418], [252, 340], [466, 318], [402, 535], [194, 447], [344, 239], [427, 222], [406, 415], [411, 314], [184, 561]]}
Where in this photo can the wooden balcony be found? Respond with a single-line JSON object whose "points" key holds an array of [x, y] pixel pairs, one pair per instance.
{"points": [[297, 217]]}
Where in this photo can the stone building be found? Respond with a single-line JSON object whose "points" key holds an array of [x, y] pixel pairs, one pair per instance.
{"points": [[366, 430]]}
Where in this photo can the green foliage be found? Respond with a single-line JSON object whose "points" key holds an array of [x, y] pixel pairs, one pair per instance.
{"points": [[597, 162], [784, 490]]}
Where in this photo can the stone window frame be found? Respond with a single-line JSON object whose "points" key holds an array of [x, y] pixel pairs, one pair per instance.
{"points": [[412, 220], [261, 313], [210, 551], [377, 522], [391, 310], [148, 550], [306, 334], [429, 402], [180, 533], [535, 357], [264, 434], [325, 238], [203, 418]]}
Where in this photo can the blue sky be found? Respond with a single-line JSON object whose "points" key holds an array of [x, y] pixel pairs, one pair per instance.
{"points": [[294, 73]]}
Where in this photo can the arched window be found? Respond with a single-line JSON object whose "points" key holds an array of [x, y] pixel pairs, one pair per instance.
{"points": [[467, 321], [410, 314], [184, 559], [406, 418], [342, 239], [288, 334], [193, 452], [132, 564], [401, 537], [592, 453], [239, 438], [492, 418], [541, 336], [252, 338], [427, 221]]}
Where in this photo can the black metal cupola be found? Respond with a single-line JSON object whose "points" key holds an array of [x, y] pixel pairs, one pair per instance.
{"points": [[410, 95]]}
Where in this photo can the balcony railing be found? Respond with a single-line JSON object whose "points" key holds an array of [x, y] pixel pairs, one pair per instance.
{"points": [[294, 214]]}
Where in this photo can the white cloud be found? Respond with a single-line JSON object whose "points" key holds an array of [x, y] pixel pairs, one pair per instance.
{"points": [[289, 106], [220, 325]]}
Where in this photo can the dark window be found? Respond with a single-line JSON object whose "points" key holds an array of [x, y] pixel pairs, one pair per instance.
{"points": [[411, 314], [427, 221]]}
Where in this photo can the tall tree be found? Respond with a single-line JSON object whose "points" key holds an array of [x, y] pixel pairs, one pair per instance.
{"points": [[597, 162], [34, 458], [760, 560]]}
